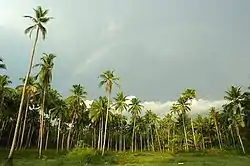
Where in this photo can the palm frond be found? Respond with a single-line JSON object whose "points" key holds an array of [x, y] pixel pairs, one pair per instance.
{"points": [[43, 30]]}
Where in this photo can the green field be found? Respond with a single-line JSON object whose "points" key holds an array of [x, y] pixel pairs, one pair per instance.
{"points": [[89, 157]]}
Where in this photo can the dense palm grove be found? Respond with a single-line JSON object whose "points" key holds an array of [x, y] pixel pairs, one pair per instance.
{"points": [[35, 115]]}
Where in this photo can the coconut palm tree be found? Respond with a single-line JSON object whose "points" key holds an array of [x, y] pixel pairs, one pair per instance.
{"points": [[75, 103], [121, 105], [39, 22], [135, 109], [108, 78], [181, 107], [235, 108], [45, 77]]}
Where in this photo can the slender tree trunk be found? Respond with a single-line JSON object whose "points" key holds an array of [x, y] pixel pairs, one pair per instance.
{"points": [[32, 132], [19, 137], [23, 94], [124, 143], [11, 128], [218, 135], [195, 143], [41, 124], [135, 144], [120, 136], [58, 135], [94, 138], [232, 134], [132, 141], [68, 140], [24, 122], [152, 139], [148, 144], [168, 138], [99, 137], [241, 143], [62, 145], [141, 141], [106, 124], [28, 137], [159, 143], [185, 132], [47, 139], [101, 143]]}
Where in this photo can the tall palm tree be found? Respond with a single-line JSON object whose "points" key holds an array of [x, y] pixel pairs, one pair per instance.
{"points": [[214, 116], [45, 78], [108, 78], [181, 107], [39, 21], [135, 109], [76, 102], [121, 105], [235, 100]]}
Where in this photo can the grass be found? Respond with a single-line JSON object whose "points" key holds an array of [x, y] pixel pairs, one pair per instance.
{"points": [[80, 157]]}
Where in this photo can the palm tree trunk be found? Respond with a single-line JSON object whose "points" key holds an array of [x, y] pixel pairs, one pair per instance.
{"points": [[62, 145], [232, 134], [121, 131], [124, 143], [148, 144], [168, 138], [185, 132], [241, 143], [99, 137], [192, 124], [135, 141], [106, 124], [41, 124], [68, 140], [47, 139], [19, 137], [132, 141], [141, 141], [28, 136], [159, 143], [58, 135], [24, 122], [152, 139], [31, 136], [23, 94], [11, 128], [218, 135]]}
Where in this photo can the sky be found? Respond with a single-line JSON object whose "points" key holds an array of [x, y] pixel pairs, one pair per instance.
{"points": [[157, 47]]}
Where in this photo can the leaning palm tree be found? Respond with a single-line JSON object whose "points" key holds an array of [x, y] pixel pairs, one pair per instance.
{"points": [[39, 20], [45, 78], [108, 79], [135, 109]]}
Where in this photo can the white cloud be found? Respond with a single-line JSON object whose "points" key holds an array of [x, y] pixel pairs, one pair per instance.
{"points": [[199, 106]]}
